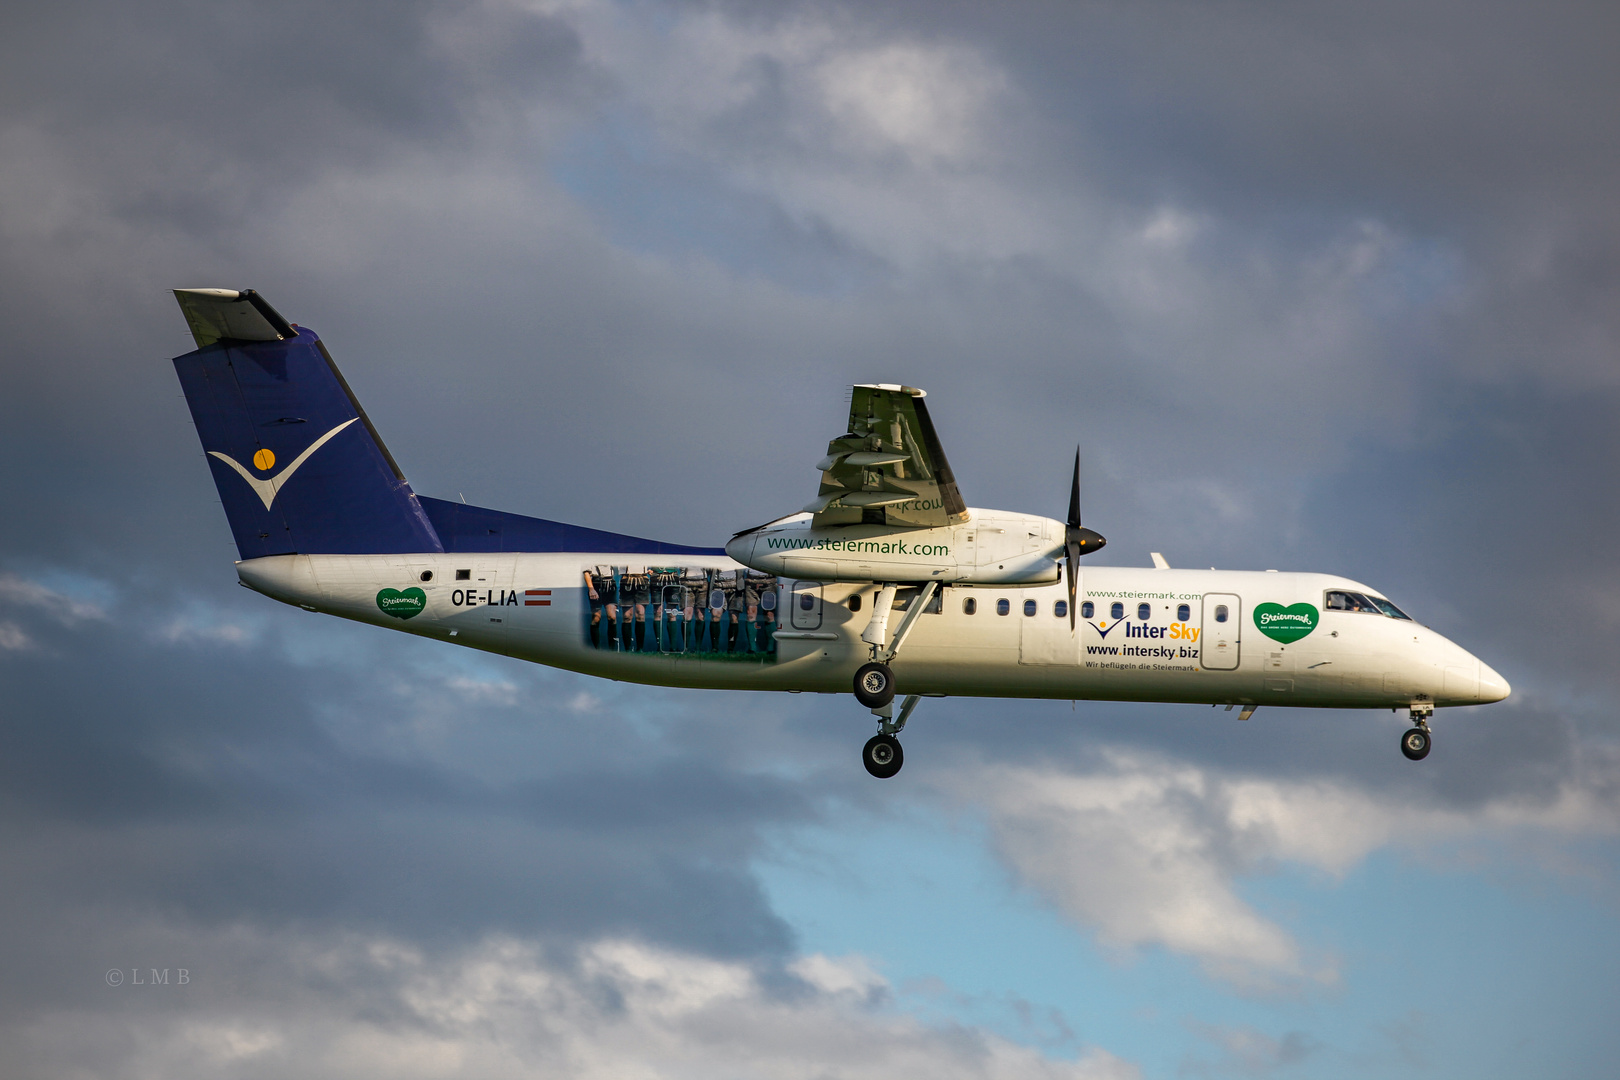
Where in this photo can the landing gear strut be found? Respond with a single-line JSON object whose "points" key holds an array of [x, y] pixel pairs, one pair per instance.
{"points": [[1416, 742], [874, 681]]}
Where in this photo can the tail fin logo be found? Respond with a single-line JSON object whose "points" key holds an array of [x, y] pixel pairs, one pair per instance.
{"points": [[266, 489]]}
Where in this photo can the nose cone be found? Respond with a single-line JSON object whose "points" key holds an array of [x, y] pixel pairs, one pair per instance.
{"points": [[1492, 687]]}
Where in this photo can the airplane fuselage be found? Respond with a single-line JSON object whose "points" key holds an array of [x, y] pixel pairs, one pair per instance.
{"points": [[1142, 634]]}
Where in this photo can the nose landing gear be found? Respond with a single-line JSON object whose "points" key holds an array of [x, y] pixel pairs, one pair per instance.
{"points": [[1416, 742]]}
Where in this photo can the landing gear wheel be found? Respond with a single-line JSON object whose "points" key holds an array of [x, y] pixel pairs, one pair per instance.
{"points": [[882, 756], [874, 686], [1415, 744]]}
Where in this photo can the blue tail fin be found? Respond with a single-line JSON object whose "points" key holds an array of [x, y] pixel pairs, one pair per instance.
{"points": [[298, 465]]}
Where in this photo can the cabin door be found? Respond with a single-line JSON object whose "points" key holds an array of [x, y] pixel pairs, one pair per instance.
{"points": [[804, 606], [1222, 635]]}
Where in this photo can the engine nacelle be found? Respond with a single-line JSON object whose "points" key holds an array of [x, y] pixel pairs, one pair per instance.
{"points": [[990, 548]]}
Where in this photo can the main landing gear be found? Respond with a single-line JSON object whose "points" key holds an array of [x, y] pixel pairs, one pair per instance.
{"points": [[874, 681], [874, 685], [1416, 742], [882, 755]]}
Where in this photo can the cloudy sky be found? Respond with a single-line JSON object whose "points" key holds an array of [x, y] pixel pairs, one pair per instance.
{"points": [[1317, 286]]}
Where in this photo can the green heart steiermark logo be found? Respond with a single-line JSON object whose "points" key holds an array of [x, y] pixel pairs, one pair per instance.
{"points": [[1285, 624], [402, 605]]}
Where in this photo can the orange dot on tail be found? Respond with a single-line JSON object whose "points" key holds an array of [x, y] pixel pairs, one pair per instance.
{"points": [[263, 460]]}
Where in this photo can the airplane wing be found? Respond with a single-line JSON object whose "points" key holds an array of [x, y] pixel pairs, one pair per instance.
{"points": [[889, 467]]}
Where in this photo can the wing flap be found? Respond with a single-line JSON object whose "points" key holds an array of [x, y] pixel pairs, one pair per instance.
{"points": [[888, 467]]}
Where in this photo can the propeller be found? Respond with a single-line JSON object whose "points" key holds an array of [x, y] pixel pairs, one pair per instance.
{"points": [[1077, 539]]}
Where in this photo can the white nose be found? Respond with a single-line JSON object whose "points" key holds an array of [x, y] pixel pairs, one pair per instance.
{"points": [[1492, 687]]}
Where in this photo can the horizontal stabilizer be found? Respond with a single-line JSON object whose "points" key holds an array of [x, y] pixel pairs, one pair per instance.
{"points": [[231, 315]]}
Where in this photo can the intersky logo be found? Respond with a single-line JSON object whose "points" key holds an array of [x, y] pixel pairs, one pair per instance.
{"points": [[264, 460], [1099, 627]]}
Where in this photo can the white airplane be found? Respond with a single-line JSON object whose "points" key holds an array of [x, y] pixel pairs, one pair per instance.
{"points": [[989, 603]]}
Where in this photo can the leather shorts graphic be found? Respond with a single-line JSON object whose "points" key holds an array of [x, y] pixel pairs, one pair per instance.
{"points": [[712, 614]]}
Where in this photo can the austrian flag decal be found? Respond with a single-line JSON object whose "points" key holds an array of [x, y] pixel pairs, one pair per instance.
{"points": [[537, 598]]}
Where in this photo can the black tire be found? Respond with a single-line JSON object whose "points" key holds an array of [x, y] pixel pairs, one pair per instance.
{"points": [[874, 685], [883, 756], [1415, 744]]}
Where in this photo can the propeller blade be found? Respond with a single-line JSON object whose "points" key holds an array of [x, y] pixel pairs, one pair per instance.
{"points": [[1078, 540], [1070, 565], [1074, 493]]}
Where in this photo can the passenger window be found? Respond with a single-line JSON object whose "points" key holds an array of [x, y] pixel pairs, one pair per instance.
{"points": [[1029, 607], [1087, 610], [970, 605], [1117, 611], [1183, 613], [1060, 608], [807, 601], [1003, 606], [855, 602], [1220, 612], [1144, 612]]}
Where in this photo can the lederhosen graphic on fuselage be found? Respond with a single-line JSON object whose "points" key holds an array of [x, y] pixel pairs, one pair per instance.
{"points": [[681, 610]]}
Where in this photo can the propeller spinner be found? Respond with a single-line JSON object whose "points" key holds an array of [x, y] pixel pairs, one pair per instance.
{"points": [[1078, 540]]}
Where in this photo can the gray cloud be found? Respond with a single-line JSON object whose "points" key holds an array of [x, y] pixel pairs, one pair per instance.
{"points": [[1312, 290]]}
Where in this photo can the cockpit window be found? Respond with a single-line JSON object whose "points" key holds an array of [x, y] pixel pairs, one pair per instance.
{"points": [[1371, 605], [1390, 609]]}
